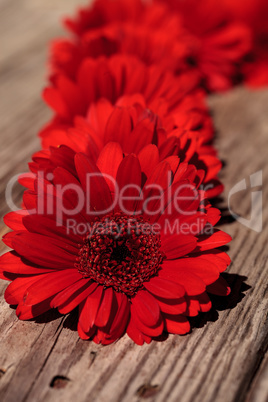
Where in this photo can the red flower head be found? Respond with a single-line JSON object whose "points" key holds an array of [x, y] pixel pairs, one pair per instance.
{"points": [[103, 12], [111, 78], [152, 46], [110, 27], [218, 44], [118, 261], [137, 130], [177, 35], [254, 14], [127, 83]]}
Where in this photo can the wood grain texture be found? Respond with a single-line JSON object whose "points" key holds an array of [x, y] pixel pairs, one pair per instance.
{"points": [[224, 359]]}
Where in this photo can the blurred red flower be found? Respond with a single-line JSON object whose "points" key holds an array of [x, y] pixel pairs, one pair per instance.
{"points": [[122, 84], [178, 35], [254, 13], [138, 131], [109, 27], [218, 43]]}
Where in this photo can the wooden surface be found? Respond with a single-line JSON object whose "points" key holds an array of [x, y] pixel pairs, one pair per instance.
{"points": [[225, 357]]}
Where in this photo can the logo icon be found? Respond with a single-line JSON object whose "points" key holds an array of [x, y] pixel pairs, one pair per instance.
{"points": [[255, 220]]}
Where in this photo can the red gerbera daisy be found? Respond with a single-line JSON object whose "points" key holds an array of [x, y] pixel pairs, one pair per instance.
{"points": [[217, 43], [111, 78], [152, 46], [136, 129], [123, 80], [188, 39], [148, 31], [103, 12], [254, 14], [125, 271]]}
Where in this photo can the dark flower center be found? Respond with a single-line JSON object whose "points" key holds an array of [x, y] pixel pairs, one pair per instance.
{"points": [[122, 252]]}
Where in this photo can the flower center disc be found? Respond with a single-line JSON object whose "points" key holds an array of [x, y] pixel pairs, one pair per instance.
{"points": [[122, 252]]}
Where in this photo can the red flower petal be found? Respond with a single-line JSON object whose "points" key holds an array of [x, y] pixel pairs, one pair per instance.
{"points": [[81, 332], [27, 180], [200, 267], [154, 331], [100, 196], [141, 135], [149, 158], [172, 306], [70, 190], [129, 174], [98, 116], [160, 179], [134, 333], [90, 309], [121, 318], [118, 127], [15, 291], [14, 219], [220, 259], [164, 288], [174, 271], [28, 312], [69, 298], [104, 311], [177, 245], [109, 160], [170, 147], [217, 239], [146, 308], [193, 306], [48, 227], [177, 324], [204, 302], [42, 250], [12, 262], [56, 101], [9, 237], [50, 284]]}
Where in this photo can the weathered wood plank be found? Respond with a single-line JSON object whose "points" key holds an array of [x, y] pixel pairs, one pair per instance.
{"points": [[258, 391], [223, 358]]}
